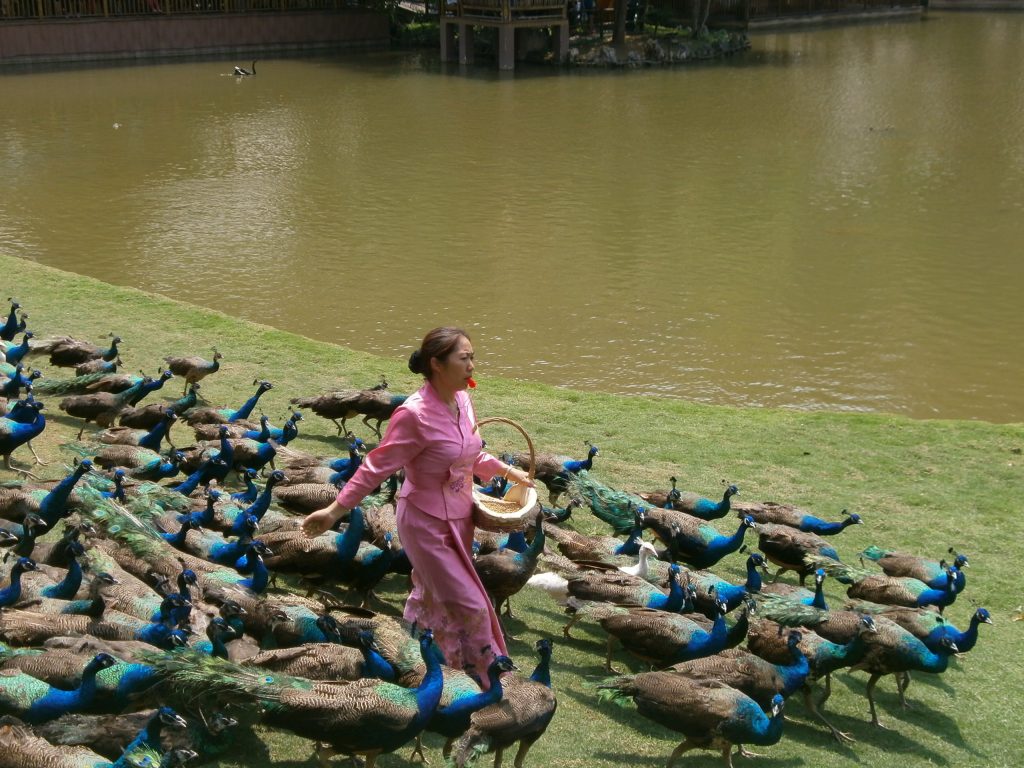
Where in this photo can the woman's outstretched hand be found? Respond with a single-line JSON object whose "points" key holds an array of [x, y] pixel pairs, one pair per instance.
{"points": [[519, 476], [317, 522]]}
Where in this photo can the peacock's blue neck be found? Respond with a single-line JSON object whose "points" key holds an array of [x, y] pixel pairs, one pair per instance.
{"points": [[68, 587], [819, 595], [734, 635], [149, 735], [227, 450], [676, 595], [375, 665], [259, 507], [542, 672], [260, 575], [190, 483], [794, 675], [965, 641], [721, 546], [428, 693], [12, 593], [127, 679], [457, 714], [188, 401], [54, 505], [155, 436], [247, 406], [177, 539], [250, 494], [347, 543], [754, 582], [532, 552], [631, 546], [8, 331], [516, 542]]}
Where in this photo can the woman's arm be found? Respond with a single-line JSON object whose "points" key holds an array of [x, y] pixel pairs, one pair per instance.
{"points": [[486, 466], [400, 445]]}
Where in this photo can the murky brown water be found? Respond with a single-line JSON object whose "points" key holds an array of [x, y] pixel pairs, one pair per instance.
{"points": [[835, 220]]}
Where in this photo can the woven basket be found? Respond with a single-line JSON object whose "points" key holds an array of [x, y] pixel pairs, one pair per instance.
{"points": [[517, 509]]}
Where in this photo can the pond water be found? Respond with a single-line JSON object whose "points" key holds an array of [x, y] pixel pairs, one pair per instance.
{"points": [[833, 220]]}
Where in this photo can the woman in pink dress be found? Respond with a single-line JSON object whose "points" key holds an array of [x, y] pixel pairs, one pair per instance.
{"points": [[432, 437]]}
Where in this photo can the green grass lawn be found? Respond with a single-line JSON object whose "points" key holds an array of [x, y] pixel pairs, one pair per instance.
{"points": [[919, 485]]}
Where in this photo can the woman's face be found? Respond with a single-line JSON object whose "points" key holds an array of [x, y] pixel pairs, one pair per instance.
{"points": [[454, 372]]}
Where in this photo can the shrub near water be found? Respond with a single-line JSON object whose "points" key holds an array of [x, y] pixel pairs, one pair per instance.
{"points": [[919, 485]]}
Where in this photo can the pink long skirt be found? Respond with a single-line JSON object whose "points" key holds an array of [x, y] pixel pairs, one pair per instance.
{"points": [[447, 594]]}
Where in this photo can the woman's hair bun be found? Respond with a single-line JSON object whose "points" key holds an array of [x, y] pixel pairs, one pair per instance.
{"points": [[416, 362]]}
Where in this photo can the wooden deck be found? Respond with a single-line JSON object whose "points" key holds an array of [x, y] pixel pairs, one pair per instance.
{"points": [[507, 16]]}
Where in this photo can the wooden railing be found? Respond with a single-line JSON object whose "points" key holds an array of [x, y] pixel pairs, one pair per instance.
{"points": [[681, 12], [65, 9], [508, 9]]}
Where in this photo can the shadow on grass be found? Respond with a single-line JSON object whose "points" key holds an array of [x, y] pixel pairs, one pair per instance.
{"points": [[919, 714], [711, 757]]}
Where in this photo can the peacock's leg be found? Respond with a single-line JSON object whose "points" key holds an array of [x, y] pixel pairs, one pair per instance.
{"points": [[685, 746], [871, 700], [36, 455], [744, 752], [828, 690], [567, 627], [842, 738], [418, 750], [608, 658], [340, 427], [324, 753], [7, 463], [446, 752], [497, 756], [902, 683], [727, 755], [779, 573], [524, 747], [508, 608]]}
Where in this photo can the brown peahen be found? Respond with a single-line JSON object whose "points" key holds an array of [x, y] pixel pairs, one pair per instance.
{"points": [[788, 547], [892, 590], [193, 368], [709, 714], [692, 503], [931, 572], [372, 404], [892, 650], [66, 352], [365, 717], [506, 572], [555, 471], [522, 716], [747, 672], [21, 748]]}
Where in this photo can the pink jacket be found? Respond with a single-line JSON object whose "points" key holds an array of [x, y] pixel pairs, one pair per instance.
{"points": [[440, 454]]}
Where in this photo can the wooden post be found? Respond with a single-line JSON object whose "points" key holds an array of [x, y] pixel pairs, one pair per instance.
{"points": [[562, 41], [506, 47], [466, 43]]}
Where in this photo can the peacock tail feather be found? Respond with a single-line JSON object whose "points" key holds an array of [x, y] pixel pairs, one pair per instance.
{"points": [[613, 507], [199, 676], [841, 572]]}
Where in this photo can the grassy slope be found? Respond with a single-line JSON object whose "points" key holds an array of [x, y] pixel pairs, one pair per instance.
{"points": [[921, 485]]}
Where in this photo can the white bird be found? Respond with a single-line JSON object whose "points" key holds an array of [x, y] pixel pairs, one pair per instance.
{"points": [[557, 585]]}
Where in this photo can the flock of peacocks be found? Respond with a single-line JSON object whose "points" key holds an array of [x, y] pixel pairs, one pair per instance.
{"points": [[156, 596]]}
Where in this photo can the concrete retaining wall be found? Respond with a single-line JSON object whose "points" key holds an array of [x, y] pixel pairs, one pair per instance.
{"points": [[140, 38]]}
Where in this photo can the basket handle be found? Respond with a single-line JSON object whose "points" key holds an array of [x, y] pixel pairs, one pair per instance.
{"points": [[529, 442]]}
